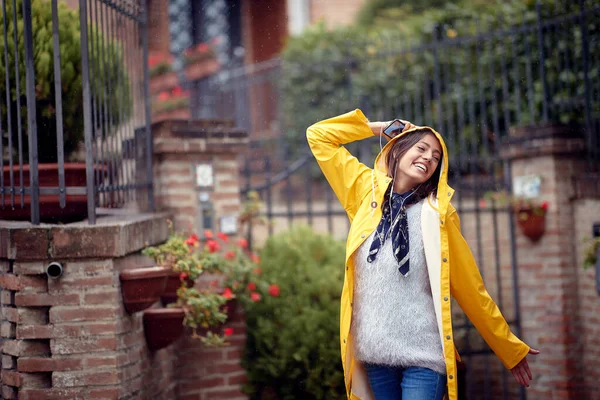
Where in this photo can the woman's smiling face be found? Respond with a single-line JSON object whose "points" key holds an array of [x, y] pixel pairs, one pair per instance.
{"points": [[419, 163]]}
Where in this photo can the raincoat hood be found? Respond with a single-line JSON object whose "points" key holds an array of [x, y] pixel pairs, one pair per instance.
{"points": [[443, 187]]}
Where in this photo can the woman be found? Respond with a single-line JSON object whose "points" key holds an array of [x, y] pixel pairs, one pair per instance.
{"points": [[405, 256]]}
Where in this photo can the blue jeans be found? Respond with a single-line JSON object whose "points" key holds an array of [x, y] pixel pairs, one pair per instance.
{"points": [[412, 383]]}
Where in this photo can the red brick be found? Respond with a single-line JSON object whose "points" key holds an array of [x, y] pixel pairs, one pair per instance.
{"points": [[10, 282], [103, 394], [76, 284], [82, 345], [86, 329], [22, 348], [29, 268], [226, 394], [51, 394], [224, 368], [69, 314], [36, 300], [33, 316], [99, 362], [48, 364], [237, 379], [11, 378], [10, 314], [35, 332], [29, 244], [106, 297], [73, 379]]}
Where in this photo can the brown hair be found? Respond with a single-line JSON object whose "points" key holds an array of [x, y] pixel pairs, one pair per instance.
{"points": [[399, 149]]}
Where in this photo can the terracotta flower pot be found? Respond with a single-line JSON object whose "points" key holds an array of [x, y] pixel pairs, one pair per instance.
{"points": [[169, 295], [531, 224], [142, 287], [162, 326]]}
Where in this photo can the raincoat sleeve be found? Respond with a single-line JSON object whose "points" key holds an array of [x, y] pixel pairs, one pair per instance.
{"points": [[348, 178], [469, 291]]}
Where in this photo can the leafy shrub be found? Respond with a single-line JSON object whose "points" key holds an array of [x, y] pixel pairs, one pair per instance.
{"points": [[116, 101], [293, 338], [471, 90]]}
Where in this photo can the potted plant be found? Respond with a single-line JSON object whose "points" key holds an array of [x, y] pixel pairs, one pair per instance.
{"points": [[171, 103], [530, 213], [233, 276], [142, 287], [117, 100]]}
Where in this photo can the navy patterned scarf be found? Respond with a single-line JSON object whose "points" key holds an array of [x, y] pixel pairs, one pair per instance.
{"points": [[394, 223]]}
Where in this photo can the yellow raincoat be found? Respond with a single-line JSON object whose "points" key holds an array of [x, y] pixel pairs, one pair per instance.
{"points": [[451, 267]]}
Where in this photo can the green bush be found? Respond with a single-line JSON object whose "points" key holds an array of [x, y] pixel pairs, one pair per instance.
{"points": [[116, 101], [392, 64], [293, 349]]}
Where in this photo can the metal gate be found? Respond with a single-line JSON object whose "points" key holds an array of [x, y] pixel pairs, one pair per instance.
{"points": [[471, 87]]}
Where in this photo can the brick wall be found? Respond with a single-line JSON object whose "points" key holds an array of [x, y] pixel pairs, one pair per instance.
{"points": [[71, 337], [586, 213]]}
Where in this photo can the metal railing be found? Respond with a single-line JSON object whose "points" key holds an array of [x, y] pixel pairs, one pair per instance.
{"points": [[472, 87], [74, 99]]}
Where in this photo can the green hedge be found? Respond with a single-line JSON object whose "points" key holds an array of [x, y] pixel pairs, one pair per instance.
{"points": [[328, 72], [293, 348]]}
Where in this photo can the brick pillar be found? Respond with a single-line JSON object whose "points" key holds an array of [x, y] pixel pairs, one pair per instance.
{"points": [[179, 146], [548, 268], [71, 337]]}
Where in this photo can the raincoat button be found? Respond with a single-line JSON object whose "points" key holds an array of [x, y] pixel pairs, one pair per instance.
{"points": [[445, 299], [448, 337], [441, 222], [451, 376], [449, 194], [346, 268], [344, 340], [362, 236], [445, 260]]}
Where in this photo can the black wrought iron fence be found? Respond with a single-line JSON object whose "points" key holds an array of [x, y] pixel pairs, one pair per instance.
{"points": [[74, 109]]}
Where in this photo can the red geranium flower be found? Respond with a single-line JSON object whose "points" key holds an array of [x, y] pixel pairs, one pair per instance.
{"points": [[255, 258], [243, 243], [208, 234], [230, 255], [223, 237], [213, 246], [227, 293], [274, 290], [202, 47], [183, 276], [177, 91], [163, 96], [254, 296], [251, 286], [257, 271], [544, 206], [192, 240], [228, 331]]}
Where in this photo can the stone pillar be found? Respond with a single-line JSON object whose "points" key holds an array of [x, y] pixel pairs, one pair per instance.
{"points": [[196, 171], [547, 268]]}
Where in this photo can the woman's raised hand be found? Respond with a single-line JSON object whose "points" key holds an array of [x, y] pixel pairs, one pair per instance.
{"points": [[378, 126]]}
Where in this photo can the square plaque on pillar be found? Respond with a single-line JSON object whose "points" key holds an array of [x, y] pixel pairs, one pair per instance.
{"points": [[228, 224], [204, 176], [527, 186]]}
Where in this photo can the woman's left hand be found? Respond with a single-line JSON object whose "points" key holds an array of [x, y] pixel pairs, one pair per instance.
{"points": [[521, 371]]}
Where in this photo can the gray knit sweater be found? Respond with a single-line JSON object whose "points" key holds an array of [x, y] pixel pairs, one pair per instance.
{"points": [[393, 321]]}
